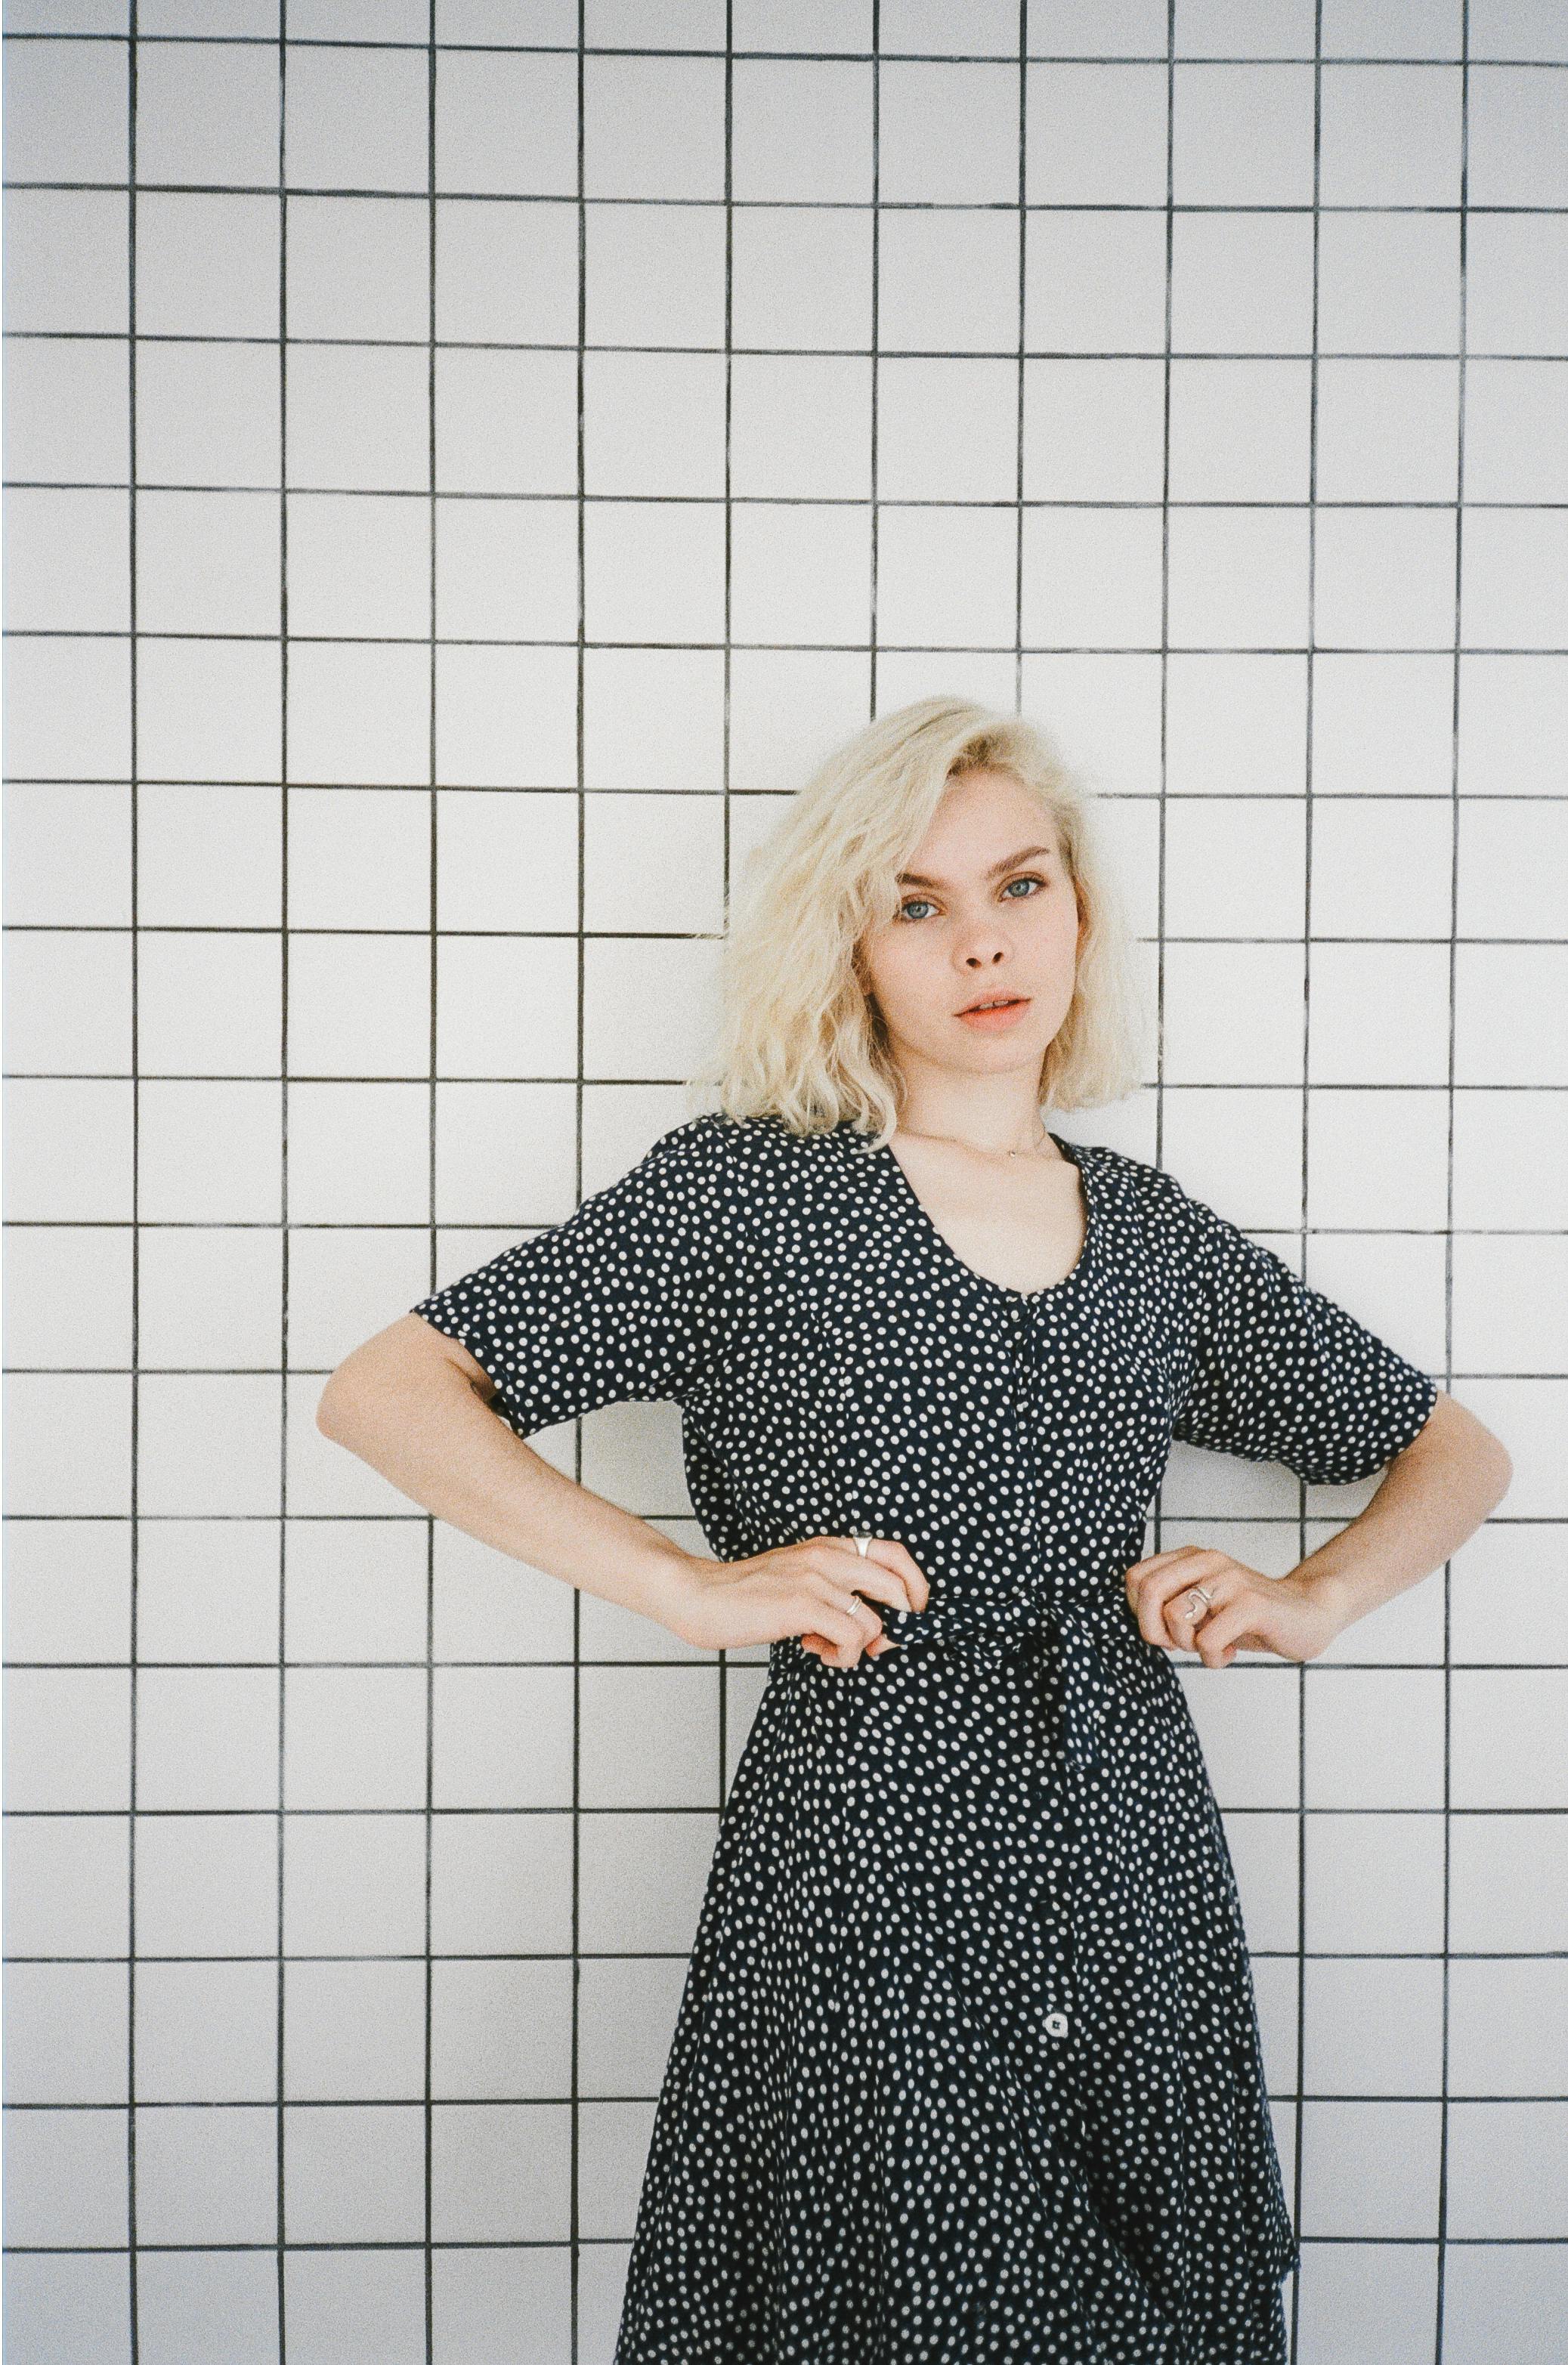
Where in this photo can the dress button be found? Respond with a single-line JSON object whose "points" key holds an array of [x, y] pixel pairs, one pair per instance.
{"points": [[1056, 2024]]}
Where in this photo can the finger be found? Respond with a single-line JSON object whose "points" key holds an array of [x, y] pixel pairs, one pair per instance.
{"points": [[1218, 1638], [877, 1639], [844, 1632], [914, 1575], [1159, 1559], [1187, 1554], [1183, 1622], [1149, 1623], [902, 1569], [1183, 1563], [870, 1623], [1239, 1630], [828, 1651], [1149, 1608], [892, 1557], [1182, 1618], [1143, 1602], [821, 1647], [878, 1583]]}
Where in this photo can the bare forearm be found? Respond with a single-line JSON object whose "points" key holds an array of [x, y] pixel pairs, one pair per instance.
{"points": [[1435, 1494], [435, 1439]]}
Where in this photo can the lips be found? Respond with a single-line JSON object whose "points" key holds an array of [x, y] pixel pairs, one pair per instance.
{"points": [[992, 1002], [999, 1018]]}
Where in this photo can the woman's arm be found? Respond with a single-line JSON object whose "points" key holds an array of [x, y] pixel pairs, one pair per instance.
{"points": [[415, 1405], [1433, 1497], [1434, 1494]]}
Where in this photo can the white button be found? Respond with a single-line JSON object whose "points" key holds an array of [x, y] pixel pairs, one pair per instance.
{"points": [[1056, 2024]]}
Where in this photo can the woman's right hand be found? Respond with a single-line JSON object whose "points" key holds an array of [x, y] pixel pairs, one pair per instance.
{"points": [[811, 1589]]}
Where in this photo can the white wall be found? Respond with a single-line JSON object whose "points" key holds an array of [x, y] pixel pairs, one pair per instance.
{"points": [[1134, 387]]}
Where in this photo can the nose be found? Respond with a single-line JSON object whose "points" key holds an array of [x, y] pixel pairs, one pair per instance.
{"points": [[983, 949]]}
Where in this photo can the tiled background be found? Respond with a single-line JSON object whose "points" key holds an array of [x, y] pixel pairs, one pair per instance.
{"points": [[463, 475]]}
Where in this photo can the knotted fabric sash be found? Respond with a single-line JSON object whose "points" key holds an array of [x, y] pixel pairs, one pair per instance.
{"points": [[1087, 1651]]}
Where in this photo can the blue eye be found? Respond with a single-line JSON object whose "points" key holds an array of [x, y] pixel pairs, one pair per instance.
{"points": [[1023, 878]]}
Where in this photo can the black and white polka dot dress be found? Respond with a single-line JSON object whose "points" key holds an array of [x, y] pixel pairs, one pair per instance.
{"points": [[966, 2065]]}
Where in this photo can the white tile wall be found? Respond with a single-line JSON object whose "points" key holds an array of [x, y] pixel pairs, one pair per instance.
{"points": [[466, 463]]}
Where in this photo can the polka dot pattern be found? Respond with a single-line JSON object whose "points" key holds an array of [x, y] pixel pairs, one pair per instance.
{"points": [[966, 2065]]}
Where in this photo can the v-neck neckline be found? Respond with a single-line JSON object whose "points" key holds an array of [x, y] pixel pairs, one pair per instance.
{"points": [[948, 1255]]}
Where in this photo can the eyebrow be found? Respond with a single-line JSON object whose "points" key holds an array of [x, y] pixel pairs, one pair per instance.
{"points": [[1011, 862]]}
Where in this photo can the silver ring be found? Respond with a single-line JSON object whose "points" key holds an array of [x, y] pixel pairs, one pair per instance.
{"points": [[861, 1543], [1203, 1596]]}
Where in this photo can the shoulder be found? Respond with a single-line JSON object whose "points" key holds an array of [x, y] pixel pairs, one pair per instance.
{"points": [[1201, 1252], [742, 1162], [733, 1144], [1172, 1226], [1147, 1191]]}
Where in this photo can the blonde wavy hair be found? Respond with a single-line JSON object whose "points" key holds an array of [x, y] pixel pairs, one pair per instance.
{"points": [[798, 1038]]}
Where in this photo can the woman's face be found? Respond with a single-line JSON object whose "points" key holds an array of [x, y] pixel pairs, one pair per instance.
{"points": [[986, 911]]}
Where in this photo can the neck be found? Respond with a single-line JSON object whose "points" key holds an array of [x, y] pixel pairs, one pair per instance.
{"points": [[993, 1114]]}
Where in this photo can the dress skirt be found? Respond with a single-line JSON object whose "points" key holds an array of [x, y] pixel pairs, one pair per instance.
{"points": [[966, 2065]]}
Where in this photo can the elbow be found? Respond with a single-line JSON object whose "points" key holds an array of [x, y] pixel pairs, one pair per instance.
{"points": [[328, 1406], [342, 1396], [371, 1396], [1483, 1460], [1494, 1463]]}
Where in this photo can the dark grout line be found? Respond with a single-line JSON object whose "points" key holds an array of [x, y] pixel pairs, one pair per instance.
{"points": [[280, 2124], [432, 1171], [1445, 2123], [819, 56], [409, 194], [580, 760], [1359, 355], [1298, 2100], [133, 2242]]}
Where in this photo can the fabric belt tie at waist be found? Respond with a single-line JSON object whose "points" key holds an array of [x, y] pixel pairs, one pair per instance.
{"points": [[1088, 1654]]}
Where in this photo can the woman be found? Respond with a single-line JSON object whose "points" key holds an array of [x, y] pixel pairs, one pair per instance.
{"points": [[966, 2065]]}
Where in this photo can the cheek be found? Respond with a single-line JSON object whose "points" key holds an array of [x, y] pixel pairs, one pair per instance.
{"points": [[1055, 918], [903, 976]]}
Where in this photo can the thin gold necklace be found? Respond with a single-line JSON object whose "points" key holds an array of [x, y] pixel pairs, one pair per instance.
{"points": [[960, 1143]]}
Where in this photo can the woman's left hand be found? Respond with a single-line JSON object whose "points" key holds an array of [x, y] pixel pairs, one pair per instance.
{"points": [[1248, 1611]]}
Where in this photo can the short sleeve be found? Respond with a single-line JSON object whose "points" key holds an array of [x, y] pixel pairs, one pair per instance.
{"points": [[619, 1303], [1278, 1370]]}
